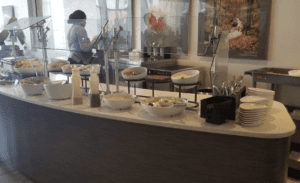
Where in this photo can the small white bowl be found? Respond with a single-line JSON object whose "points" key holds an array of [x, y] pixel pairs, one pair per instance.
{"points": [[112, 101], [33, 89], [162, 111], [67, 69], [141, 70], [58, 91], [190, 80]]}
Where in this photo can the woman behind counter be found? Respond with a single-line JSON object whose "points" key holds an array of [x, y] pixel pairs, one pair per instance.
{"points": [[79, 44]]}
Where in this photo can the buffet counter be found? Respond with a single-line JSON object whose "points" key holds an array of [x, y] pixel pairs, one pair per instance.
{"points": [[55, 141]]}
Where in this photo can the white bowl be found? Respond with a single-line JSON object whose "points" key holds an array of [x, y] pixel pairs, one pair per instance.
{"points": [[53, 65], [141, 70], [30, 71], [113, 102], [294, 73], [260, 91], [190, 80], [87, 72], [33, 89], [58, 91], [162, 111], [67, 69]]}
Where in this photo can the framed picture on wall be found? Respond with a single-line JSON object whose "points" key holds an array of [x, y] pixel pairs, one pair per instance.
{"points": [[246, 20]]}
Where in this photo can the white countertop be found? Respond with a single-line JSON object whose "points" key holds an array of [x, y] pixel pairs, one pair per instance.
{"points": [[278, 125]]}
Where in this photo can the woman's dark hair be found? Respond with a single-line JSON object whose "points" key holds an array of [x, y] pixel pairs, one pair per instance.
{"points": [[78, 14]]}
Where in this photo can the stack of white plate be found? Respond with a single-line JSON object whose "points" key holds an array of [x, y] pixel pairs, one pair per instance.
{"points": [[255, 99], [268, 94], [251, 114]]}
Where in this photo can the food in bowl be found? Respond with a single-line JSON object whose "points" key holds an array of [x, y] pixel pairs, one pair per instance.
{"points": [[58, 64], [35, 80], [166, 102], [119, 100], [85, 69], [29, 64], [131, 73], [182, 76], [164, 106], [158, 77], [68, 68], [135, 73], [34, 85]]}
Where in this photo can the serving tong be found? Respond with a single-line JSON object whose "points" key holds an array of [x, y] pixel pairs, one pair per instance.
{"points": [[228, 89]]}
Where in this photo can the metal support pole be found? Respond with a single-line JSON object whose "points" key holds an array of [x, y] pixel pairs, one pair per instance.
{"points": [[106, 67]]}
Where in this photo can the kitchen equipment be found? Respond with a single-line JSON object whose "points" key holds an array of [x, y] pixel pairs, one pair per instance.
{"points": [[119, 101], [58, 91], [9, 63], [169, 110]]}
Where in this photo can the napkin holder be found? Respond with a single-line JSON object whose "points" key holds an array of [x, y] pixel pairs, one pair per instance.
{"points": [[218, 109]]}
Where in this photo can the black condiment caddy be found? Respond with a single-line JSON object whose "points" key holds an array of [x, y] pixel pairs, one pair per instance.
{"points": [[218, 109]]}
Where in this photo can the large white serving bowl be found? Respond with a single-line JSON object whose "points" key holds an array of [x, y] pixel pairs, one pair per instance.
{"points": [[141, 70], [294, 73], [112, 101], [29, 71], [34, 89], [58, 91], [193, 79], [67, 69], [162, 111]]}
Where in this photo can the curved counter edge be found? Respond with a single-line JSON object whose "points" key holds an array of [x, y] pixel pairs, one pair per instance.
{"points": [[282, 127], [52, 145]]}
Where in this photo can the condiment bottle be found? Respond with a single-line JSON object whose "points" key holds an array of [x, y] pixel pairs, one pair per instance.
{"points": [[76, 93], [94, 94]]}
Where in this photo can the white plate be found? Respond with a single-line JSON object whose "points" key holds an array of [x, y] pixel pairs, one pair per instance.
{"points": [[254, 99], [253, 119], [261, 90], [253, 124], [252, 106], [252, 116]]}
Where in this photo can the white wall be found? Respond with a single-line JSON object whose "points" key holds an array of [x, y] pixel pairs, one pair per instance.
{"points": [[284, 42]]}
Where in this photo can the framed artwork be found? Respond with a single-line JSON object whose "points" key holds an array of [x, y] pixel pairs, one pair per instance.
{"points": [[246, 20]]}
